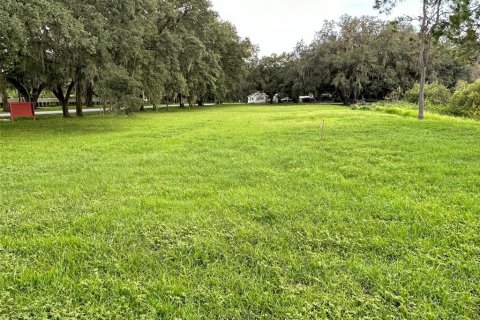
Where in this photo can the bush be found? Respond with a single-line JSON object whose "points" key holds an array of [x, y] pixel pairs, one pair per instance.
{"points": [[466, 101], [461, 85], [435, 94], [411, 96]]}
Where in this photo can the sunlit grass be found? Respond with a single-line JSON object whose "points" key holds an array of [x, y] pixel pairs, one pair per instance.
{"points": [[240, 213]]}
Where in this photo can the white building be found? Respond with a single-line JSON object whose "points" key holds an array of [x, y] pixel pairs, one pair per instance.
{"points": [[309, 98], [258, 98]]}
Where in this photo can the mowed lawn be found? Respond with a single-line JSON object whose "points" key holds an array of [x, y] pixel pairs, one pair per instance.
{"points": [[239, 212]]}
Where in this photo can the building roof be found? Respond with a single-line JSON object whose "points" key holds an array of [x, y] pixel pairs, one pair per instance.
{"points": [[257, 94]]}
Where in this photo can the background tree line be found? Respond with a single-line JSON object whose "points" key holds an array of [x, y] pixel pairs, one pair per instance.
{"points": [[374, 59], [119, 51], [122, 50], [360, 58]]}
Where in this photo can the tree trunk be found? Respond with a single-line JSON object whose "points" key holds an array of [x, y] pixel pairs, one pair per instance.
{"points": [[423, 63], [344, 98], [36, 92], [182, 103], [89, 95], [78, 99], [3, 92], [78, 90], [65, 111], [22, 90], [142, 107], [58, 92], [423, 77], [68, 94], [63, 102]]}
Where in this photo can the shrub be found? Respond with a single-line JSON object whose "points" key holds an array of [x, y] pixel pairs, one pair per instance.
{"points": [[461, 85], [466, 101], [411, 95], [435, 94]]}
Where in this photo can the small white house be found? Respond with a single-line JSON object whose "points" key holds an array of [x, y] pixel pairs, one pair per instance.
{"points": [[258, 98]]}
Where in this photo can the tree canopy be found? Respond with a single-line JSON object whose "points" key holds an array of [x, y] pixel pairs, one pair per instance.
{"points": [[357, 58], [120, 51], [177, 50]]}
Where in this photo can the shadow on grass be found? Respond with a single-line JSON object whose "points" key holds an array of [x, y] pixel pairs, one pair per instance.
{"points": [[89, 124]]}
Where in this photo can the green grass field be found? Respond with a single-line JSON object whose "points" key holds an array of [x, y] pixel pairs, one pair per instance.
{"points": [[240, 213]]}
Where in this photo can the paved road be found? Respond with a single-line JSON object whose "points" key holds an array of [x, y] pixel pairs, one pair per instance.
{"points": [[6, 115]]}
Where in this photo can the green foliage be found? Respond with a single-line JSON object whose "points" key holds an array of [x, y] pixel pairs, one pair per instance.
{"points": [[172, 48], [461, 85], [405, 109], [183, 50], [240, 213], [463, 25], [395, 95], [457, 20], [351, 58], [123, 90], [435, 94], [12, 36], [365, 57], [465, 101], [273, 74], [412, 94]]}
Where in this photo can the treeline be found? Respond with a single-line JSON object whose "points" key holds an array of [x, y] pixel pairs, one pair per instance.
{"points": [[359, 58], [120, 51]]}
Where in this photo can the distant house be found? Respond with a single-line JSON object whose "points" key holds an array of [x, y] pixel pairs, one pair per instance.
{"points": [[258, 98]]}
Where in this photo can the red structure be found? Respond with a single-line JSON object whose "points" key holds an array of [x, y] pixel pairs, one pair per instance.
{"points": [[21, 109]]}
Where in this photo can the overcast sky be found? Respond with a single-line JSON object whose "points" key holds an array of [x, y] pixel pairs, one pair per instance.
{"points": [[277, 25]]}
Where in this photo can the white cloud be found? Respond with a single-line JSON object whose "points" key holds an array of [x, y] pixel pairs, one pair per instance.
{"points": [[277, 25]]}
